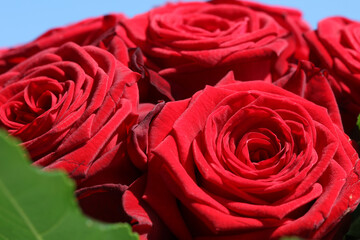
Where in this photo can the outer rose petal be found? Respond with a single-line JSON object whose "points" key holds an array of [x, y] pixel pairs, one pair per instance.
{"points": [[214, 188], [312, 84], [108, 196], [146, 223], [82, 33]]}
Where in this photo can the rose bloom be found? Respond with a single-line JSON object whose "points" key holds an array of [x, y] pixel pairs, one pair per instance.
{"points": [[335, 46], [190, 45], [82, 33], [247, 160], [304, 79], [72, 107]]}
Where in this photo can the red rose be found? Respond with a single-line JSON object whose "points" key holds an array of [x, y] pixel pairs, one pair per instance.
{"points": [[82, 33], [72, 107], [243, 161], [335, 46], [303, 79], [191, 45]]}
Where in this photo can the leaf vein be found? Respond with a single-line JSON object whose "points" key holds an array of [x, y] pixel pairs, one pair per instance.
{"points": [[55, 225], [20, 211]]}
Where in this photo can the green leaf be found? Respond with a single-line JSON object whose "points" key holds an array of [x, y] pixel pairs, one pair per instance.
{"points": [[358, 122], [40, 205]]}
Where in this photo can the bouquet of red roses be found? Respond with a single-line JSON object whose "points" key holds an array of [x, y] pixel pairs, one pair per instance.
{"points": [[224, 119]]}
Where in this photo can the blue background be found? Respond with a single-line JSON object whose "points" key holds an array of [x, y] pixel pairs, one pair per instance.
{"points": [[22, 21]]}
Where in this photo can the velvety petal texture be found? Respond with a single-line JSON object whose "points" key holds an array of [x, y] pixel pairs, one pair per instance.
{"points": [[335, 46], [190, 45], [247, 160], [72, 107]]}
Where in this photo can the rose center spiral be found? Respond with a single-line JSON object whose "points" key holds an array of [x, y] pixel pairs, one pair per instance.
{"points": [[258, 146], [40, 96]]}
